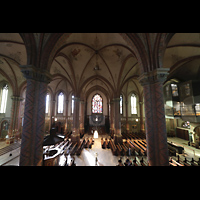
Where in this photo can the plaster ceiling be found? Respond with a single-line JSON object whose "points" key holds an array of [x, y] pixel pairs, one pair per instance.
{"points": [[76, 56], [79, 53], [182, 56], [12, 54]]}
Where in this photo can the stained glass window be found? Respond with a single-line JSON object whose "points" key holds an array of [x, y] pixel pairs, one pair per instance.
{"points": [[60, 102], [97, 105]]}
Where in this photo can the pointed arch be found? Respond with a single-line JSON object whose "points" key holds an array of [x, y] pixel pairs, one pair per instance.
{"points": [[97, 104]]}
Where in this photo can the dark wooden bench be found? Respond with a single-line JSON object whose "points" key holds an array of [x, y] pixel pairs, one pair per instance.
{"points": [[113, 147], [178, 149], [73, 149], [143, 163]]}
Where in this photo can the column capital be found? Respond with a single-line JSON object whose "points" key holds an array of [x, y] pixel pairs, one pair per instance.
{"points": [[17, 98], [116, 100], [31, 72], [76, 99], [157, 75]]}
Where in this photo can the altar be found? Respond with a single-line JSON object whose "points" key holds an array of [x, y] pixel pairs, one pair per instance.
{"points": [[97, 120]]}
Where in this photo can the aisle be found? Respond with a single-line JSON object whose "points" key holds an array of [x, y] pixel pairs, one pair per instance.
{"points": [[105, 156]]}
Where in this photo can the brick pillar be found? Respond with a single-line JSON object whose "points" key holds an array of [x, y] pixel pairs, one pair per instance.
{"points": [[75, 137], [117, 121], [155, 126], [34, 116]]}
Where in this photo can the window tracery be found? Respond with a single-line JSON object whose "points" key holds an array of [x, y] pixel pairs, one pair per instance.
{"points": [[97, 104]]}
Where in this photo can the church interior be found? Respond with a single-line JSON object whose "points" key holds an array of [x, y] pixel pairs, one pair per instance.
{"points": [[100, 99]]}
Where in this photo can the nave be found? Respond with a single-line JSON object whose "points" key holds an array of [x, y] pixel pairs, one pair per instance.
{"points": [[105, 156]]}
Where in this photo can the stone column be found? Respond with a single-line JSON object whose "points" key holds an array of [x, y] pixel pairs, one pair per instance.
{"points": [[34, 116], [53, 112], [82, 117], [155, 126], [127, 124], [111, 116], [117, 121], [75, 137], [67, 102], [14, 114], [141, 117]]}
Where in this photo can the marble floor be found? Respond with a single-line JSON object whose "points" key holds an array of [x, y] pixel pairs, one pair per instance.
{"points": [[104, 156]]}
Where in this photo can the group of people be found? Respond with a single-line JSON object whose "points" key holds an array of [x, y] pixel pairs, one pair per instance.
{"points": [[126, 163]]}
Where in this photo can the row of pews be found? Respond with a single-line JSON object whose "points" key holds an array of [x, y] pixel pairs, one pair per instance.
{"points": [[129, 147], [174, 148], [52, 153], [177, 161], [133, 135], [136, 162]]}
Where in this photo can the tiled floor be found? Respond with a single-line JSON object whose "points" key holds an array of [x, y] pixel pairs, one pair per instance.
{"points": [[105, 156]]}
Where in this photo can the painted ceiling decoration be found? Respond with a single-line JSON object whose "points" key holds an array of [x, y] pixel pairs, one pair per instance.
{"points": [[110, 62]]}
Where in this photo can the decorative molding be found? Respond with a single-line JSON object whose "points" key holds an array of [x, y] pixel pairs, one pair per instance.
{"points": [[37, 74], [157, 75]]}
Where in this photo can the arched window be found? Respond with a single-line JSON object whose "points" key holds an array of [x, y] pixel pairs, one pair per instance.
{"points": [[97, 104], [4, 99], [60, 102], [72, 104], [47, 104], [121, 104], [133, 104]]}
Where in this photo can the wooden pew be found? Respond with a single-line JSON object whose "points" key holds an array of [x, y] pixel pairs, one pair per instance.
{"points": [[137, 149], [125, 150], [133, 148], [177, 163], [80, 147], [178, 149], [67, 149], [102, 143], [120, 150], [143, 163], [113, 147], [73, 149], [172, 164], [142, 149], [87, 143], [193, 162], [91, 143], [135, 162], [106, 142]]}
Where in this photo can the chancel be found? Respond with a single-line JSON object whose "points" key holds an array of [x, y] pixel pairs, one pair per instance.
{"points": [[130, 95], [95, 134]]}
